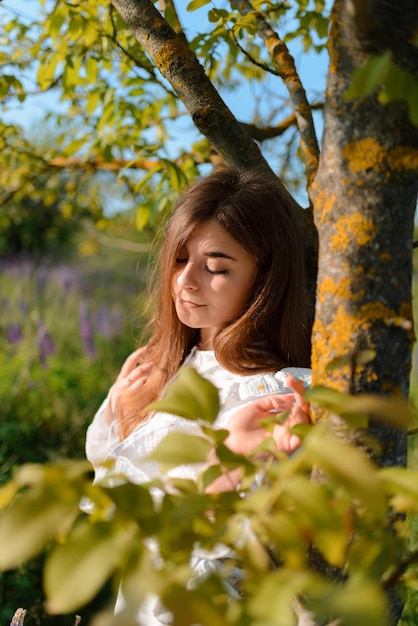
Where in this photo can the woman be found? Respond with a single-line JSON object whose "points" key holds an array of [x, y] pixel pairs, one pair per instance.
{"points": [[230, 303]]}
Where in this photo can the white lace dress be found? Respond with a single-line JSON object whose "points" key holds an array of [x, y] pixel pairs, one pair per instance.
{"points": [[103, 443]]}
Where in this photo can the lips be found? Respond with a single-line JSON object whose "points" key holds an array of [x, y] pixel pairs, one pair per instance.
{"points": [[189, 304]]}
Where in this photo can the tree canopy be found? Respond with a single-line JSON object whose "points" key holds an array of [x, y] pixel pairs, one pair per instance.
{"points": [[117, 112]]}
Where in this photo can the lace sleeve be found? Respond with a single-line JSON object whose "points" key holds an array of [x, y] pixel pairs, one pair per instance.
{"points": [[102, 436]]}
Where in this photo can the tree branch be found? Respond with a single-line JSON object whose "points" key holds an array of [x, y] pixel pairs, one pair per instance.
{"points": [[288, 73], [110, 242], [171, 55], [98, 163], [271, 132]]}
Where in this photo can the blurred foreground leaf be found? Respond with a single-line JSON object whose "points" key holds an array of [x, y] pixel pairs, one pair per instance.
{"points": [[33, 519], [349, 466], [190, 396], [395, 411], [179, 448], [76, 570]]}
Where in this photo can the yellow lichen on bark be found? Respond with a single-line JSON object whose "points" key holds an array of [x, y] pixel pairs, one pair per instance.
{"points": [[351, 228], [364, 154], [403, 158], [172, 49], [367, 154], [338, 338], [341, 290], [324, 204]]}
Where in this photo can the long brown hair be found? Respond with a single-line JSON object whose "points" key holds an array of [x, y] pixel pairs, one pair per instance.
{"points": [[257, 210]]}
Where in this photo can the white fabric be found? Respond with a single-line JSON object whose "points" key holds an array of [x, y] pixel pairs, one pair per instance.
{"points": [[103, 444]]}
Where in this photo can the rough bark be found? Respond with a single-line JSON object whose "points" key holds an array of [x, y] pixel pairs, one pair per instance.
{"points": [[364, 202], [287, 70]]}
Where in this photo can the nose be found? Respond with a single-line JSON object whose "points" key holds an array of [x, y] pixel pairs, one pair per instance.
{"points": [[186, 277]]}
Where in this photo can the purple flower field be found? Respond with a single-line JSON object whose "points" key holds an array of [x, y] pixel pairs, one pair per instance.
{"points": [[45, 308]]}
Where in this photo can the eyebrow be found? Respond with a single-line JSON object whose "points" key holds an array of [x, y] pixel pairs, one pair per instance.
{"points": [[219, 255]]}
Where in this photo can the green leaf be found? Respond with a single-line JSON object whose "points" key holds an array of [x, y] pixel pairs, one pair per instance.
{"points": [[92, 69], [360, 602], [400, 480], [54, 23], [394, 411], [197, 4], [76, 570], [179, 448], [37, 474], [8, 492], [215, 15], [46, 71], [189, 395], [142, 217], [35, 518], [368, 77], [133, 501], [93, 99], [349, 466], [358, 358], [313, 509]]}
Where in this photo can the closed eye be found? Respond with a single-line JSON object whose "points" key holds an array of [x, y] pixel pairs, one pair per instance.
{"points": [[215, 271]]}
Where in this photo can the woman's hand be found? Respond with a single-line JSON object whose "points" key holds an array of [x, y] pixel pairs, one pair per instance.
{"points": [[129, 381], [246, 433]]}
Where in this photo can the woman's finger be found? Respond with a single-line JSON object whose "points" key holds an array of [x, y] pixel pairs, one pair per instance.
{"points": [[139, 373], [299, 390], [132, 362], [275, 402]]}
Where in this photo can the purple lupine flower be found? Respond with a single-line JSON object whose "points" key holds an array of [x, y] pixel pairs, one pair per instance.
{"points": [[67, 277], [18, 618], [14, 333], [102, 322], [41, 284], [23, 307], [45, 343], [85, 328], [117, 320]]}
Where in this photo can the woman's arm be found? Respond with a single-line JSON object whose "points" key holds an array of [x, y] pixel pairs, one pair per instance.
{"points": [[103, 433]]}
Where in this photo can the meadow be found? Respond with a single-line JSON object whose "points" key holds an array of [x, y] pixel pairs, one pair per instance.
{"points": [[65, 329]]}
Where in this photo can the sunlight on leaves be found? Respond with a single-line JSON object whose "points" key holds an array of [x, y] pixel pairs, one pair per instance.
{"points": [[90, 554], [181, 448], [190, 396]]}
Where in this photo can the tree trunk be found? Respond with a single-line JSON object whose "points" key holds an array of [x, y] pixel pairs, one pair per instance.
{"points": [[364, 202]]}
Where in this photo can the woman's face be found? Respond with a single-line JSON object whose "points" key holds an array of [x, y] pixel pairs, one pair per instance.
{"points": [[212, 280]]}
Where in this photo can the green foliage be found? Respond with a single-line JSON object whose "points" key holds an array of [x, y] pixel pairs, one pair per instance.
{"points": [[64, 332], [189, 396], [382, 75], [32, 227], [115, 112], [356, 519]]}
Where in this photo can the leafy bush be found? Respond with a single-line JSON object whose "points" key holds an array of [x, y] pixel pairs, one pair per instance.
{"points": [[355, 520]]}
